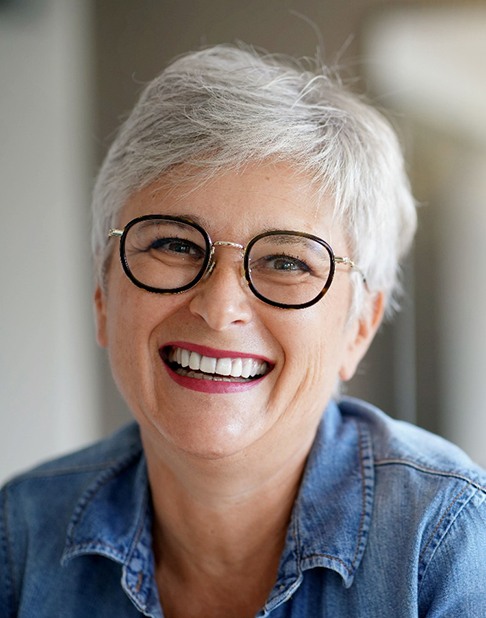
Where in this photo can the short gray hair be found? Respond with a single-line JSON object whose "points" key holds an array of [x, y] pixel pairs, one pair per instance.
{"points": [[226, 106]]}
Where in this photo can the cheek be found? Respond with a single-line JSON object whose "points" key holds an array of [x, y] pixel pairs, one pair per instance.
{"points": [[133, 319], [313, 347], [132, 348], [128, 323]]}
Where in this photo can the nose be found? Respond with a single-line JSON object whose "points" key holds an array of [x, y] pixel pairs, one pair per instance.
{"points": [[222, 298]]}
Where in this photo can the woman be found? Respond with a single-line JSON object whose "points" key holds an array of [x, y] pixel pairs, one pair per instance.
{"points": [[248, 225]]}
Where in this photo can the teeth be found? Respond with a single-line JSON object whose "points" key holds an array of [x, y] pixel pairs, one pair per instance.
{"points": [[207, 364], [234, 367], [246, 369], [183, 357], [194, 361], [223, 366]]}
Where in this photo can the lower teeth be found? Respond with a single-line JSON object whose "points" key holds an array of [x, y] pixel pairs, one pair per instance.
{"points": [[206, 376]]}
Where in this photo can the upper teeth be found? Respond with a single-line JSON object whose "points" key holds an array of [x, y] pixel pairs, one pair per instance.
{"points": [[234, 367]]}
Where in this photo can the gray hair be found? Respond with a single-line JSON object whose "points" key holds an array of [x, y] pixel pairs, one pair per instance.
{"points": [[224, 107]]}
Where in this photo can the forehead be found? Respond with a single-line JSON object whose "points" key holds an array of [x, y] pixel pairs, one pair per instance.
{"points": [[239, 203]]}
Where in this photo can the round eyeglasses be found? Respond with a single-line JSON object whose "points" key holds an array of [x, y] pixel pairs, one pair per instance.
{"points": [[169, 255]]}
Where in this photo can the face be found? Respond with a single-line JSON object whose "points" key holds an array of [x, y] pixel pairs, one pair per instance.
{"points": [[298, 354]]}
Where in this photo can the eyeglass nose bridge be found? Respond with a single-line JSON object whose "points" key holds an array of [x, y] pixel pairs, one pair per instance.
{"points": [[212, 261], [226, 243]]}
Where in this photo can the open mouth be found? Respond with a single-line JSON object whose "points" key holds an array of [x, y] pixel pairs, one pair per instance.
{"points": [[191, 364]]}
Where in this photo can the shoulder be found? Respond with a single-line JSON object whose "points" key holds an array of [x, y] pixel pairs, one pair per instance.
{"points": [[424, 482], [41, 509], [98, 455], [400, 444], [428, 521], [91, 459], [52, 490]]}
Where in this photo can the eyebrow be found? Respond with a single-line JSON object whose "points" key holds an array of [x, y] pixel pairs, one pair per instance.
{"points": [[205, 223]]}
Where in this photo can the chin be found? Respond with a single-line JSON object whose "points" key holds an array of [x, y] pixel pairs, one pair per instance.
{"points": [[211, 441]]}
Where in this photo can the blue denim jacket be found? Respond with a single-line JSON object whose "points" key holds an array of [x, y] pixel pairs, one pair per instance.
{"points": [[390, 522]]}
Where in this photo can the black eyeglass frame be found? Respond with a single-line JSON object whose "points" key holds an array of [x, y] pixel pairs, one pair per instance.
{"points": [[209, 263]]}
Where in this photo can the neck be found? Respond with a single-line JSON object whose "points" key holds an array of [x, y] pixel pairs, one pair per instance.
{"points": [[220, 524], [224, 513]]}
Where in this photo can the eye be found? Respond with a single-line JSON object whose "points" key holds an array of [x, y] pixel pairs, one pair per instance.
{"points": [[283, 264], [177, 246]]}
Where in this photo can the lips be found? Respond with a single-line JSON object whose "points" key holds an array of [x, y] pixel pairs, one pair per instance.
{"points": [[212, 366]]}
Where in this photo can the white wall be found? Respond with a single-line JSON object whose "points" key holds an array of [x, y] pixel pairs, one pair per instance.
{"points": [[48, 399]]}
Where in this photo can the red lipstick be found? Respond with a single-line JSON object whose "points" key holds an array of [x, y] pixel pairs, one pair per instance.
{"points": [[208, 379], [213, 352], [212, 386]]}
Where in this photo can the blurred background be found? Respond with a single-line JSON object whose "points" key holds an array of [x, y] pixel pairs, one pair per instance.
{"points": [[69, 73]]}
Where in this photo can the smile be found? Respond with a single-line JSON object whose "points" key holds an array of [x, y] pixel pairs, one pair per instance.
{"points": [[192, 364]]}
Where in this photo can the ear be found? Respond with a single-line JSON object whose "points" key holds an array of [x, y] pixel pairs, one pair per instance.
{"points": [[361, 333], [99, 302]]}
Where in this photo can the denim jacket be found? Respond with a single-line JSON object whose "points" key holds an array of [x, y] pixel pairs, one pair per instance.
{"points": [[390, 521]]}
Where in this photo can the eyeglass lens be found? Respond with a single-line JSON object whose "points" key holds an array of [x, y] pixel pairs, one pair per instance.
{"points": [[281, 267]]}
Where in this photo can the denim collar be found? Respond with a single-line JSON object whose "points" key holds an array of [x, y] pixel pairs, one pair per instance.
{"points": [[332, 515], [113, 518], [328, 528]]}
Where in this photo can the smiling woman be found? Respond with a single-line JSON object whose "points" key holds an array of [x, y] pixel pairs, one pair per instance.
{"points": [[216, 308], [249, 222]]}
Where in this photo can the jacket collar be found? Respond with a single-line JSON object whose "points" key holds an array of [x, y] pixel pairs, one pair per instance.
{"points": [[329, 524], [113, 518], [331, 518]]}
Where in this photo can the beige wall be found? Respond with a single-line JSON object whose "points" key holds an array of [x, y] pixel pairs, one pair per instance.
{"points": [[48, 392]]}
